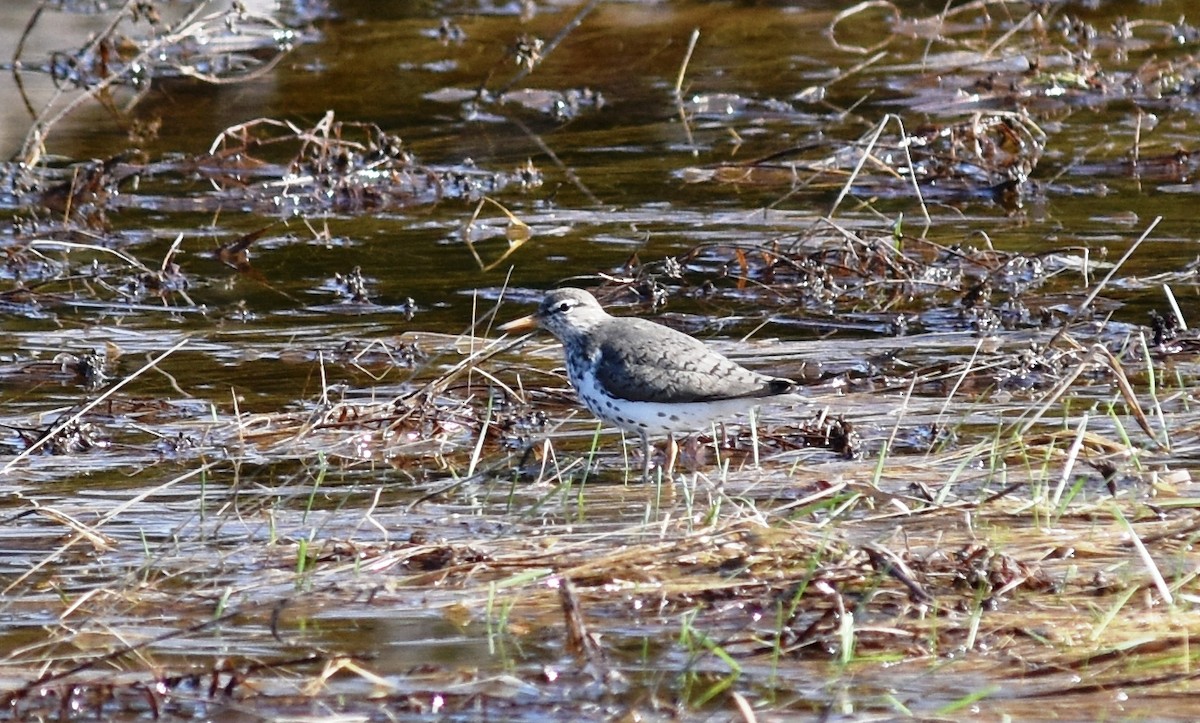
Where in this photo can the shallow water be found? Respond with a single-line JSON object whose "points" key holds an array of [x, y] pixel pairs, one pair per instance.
{"points": [[309, 458]]}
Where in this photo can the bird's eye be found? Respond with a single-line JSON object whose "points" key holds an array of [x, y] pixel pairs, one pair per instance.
{"points": [[564, 307]]}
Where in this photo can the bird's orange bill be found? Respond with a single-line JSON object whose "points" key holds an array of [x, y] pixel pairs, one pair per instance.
{"points": [[525, 323]]}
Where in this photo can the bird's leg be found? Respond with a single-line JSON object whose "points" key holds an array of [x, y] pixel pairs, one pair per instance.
{"points": [[672, 454], [645, 457]]}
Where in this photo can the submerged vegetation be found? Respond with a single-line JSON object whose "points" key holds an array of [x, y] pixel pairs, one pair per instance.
{"points": [[265, 454]]}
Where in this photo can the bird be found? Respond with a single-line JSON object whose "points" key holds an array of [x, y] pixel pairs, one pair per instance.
{"points": [[642, 376]]}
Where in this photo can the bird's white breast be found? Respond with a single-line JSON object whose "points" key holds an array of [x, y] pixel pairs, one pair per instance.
{"points": [[654, 417]]}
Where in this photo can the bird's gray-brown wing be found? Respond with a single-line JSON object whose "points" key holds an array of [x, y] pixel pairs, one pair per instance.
{"points": [[654, 363]]}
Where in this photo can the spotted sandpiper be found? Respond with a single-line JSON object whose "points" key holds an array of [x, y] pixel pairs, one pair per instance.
{"points": [[642, 376]]}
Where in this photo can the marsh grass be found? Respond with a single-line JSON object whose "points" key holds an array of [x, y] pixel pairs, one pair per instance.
{"points": [[1001, 556]]}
